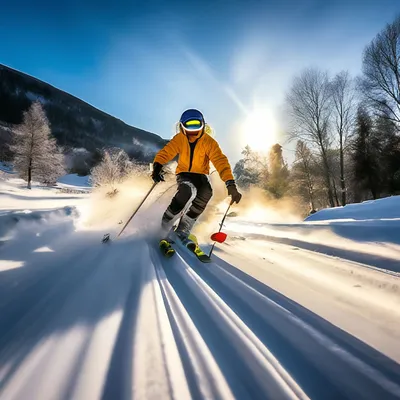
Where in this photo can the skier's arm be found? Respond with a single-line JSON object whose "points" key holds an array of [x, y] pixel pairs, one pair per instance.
{"points": [[220, 162], [169, 151], [223, 167]]}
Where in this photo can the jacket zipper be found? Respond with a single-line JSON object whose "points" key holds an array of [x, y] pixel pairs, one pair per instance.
{"points": [[192, 153]]}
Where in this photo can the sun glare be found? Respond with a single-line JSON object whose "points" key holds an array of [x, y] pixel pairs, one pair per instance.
{"points": [[259, 130]]}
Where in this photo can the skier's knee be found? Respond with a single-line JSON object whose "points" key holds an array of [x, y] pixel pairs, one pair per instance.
{"points": [[199, 204], [208, 193], [184, 194]]}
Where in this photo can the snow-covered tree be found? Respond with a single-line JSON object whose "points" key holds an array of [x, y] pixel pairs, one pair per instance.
{"points": [[113, 168], [248, 171], [36, 155]]}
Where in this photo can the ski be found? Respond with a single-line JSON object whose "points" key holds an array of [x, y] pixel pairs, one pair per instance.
{"points": [[166, 248], [192, 245]]}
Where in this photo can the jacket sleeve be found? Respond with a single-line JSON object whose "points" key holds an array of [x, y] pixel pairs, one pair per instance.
{"points": [[169, 151], [220, 162]]}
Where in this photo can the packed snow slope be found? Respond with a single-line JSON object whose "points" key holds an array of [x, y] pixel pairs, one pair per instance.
{"points": [[367, 233], [265, 320]]}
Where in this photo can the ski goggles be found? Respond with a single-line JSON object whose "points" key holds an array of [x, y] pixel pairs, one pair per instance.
{"points": [[192, 125]]}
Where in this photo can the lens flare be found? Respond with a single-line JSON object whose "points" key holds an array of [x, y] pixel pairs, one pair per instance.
{"points": [[259, 130]]}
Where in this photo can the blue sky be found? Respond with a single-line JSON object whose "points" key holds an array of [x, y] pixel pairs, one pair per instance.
{"points": [[146, 61]]}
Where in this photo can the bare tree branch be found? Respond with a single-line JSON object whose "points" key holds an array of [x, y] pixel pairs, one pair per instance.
{"points": [[342, 91], [309, 110], [381, 71]]}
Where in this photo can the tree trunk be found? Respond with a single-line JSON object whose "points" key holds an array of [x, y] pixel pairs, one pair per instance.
{"points": [[342, 181], [335, 192], [372, 188], [30, 174], [329, 188], [310, 194], [327, 177]]}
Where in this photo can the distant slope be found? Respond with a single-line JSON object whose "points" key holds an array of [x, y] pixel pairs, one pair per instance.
{"points": [[73, 122]]}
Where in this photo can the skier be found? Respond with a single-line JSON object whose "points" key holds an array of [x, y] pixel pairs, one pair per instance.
{"points": [[196, 149]]}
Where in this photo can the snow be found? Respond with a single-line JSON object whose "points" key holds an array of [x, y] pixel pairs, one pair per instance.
{"points": [[36, 97], [6, 167], [386, 208], [73, 181], [15, 196], [266, 319]]}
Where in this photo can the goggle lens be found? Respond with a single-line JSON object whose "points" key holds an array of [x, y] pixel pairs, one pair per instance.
{"points": [[193, 124]]}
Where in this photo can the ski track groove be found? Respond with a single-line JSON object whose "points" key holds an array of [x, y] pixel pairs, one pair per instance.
{"points": [[129, 324], [32, 323], [268, 375], [170, 372], [118, 382], [345, 341], [200, 366], [51, 311], [273, 366], [284, 320]]}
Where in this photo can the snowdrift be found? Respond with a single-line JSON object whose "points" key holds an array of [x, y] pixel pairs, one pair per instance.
{"points": [[12, 222], [386, 208]]}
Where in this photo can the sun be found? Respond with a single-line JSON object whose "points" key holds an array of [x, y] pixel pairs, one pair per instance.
{"points": [[259, 130]]}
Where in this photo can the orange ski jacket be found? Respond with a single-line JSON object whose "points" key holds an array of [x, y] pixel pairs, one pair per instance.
{"points": [[195, 157]]}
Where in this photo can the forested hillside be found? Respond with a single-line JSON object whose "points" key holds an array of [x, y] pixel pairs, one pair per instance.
{"points": [[73, 122]]}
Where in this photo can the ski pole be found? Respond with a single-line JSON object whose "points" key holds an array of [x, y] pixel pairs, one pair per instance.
{"points": [[225, 215], [137, 209], [214, 236], [106, 237]]}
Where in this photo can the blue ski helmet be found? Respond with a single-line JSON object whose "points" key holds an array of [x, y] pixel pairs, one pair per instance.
{"points": [[191, 115], [192, 122]]}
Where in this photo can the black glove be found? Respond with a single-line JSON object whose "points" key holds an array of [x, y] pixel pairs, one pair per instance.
{"points": [[234, 193], [157, 174]]}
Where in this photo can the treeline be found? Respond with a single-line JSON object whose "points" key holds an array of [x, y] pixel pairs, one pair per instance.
{"points": [[346, 130], [37, 157]]}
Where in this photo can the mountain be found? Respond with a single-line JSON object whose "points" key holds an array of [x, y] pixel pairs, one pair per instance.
{"points": [[74, 123]]}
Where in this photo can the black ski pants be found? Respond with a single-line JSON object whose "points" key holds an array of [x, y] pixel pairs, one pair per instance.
{"points": [[190, 185]]}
